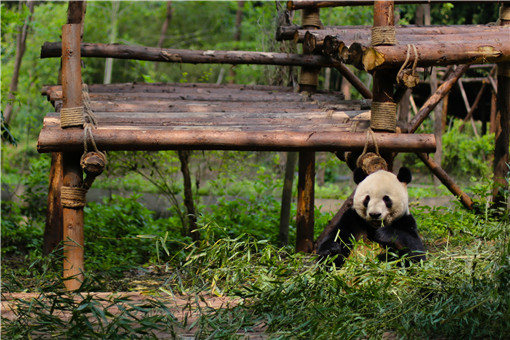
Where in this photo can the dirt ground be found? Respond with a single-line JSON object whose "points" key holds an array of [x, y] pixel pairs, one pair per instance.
{"points": [[179, 306]]}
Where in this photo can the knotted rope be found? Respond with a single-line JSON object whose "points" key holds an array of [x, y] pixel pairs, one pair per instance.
{"points": [[409, 77], [383, 35], [92, 163], [370, 161], [383, 116]]}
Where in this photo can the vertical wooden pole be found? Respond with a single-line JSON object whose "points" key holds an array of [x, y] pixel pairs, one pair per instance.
{"points": [[306, 181], [54, 228], [72, 172], [305, 208], [383, 80], [501, 153]]}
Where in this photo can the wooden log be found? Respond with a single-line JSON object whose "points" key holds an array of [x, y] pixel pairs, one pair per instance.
{"points": [[355, 81], [286, 32], [446, 180], [305, 206], [433, 54], [53, 49], [73, 225], [502, 139], [309, 75], [140, 138], [306, 4], [72, 173], [383, 80], [436, 97], [408, 33]]}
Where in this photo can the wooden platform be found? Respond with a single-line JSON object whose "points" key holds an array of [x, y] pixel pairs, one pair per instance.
{"points": [[138, 116]]}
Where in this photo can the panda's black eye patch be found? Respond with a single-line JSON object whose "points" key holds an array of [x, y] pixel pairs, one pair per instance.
{"points": [[366, 200], [387, 201]]}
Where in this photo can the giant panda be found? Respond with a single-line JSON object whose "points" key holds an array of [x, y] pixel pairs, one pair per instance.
{"points": [[380, 211]]}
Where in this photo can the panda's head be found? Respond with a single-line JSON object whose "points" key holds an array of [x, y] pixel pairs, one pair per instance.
{"points": [[381, 197]]}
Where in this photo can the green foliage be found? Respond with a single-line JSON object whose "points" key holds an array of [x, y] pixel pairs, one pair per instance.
{"points": [[464, 154], [23, 220], [121, 233]]}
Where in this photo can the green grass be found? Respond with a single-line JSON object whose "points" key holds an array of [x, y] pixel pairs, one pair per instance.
{"points": [[462, 290]]}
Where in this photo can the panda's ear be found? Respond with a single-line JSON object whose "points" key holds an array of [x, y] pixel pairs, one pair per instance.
{"points": [[404, 175], [358, 175]]}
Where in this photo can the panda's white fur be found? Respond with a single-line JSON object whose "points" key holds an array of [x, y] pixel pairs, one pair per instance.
{"points": [[376, 209]]}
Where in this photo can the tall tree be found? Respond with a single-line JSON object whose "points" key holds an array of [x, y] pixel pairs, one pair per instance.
{"points": [[237, 34], [114, 18], [184, 155], [20, 51]]}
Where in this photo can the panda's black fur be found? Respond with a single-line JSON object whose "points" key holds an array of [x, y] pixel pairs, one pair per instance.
{"points": [[400, 236]]}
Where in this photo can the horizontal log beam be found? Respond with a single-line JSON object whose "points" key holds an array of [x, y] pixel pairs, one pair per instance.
{"points": [[430, 54], [402, 32], [56, 139], [308, 4], [54, 50]]}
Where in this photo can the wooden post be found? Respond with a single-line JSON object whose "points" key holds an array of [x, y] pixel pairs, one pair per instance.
{"points": [[381, 119], [501, 153], [54, 228], [305, 208], [72, 172], [308, 81]]}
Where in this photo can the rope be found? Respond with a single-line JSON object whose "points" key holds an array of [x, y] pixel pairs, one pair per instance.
{"points": [[370, 133], [311, 18], [71, 116], [90, 124], [383, 35], [72, 197], [409, 77], [383, 116]]}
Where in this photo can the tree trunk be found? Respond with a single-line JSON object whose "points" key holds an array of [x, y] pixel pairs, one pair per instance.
{"points": [[290, 166], [188, 195], [164, 28], [20, 51], [113, 36], [237, 36]]}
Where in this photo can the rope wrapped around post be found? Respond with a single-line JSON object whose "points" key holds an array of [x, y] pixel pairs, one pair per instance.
{"points": [[383, 35], [92, 163], [383, 116]]}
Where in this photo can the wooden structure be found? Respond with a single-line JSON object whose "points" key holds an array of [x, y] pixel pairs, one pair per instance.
{"points": [[234, 117]]}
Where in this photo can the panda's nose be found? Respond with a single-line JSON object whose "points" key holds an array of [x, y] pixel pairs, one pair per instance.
{"points": [[375, 216]]}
